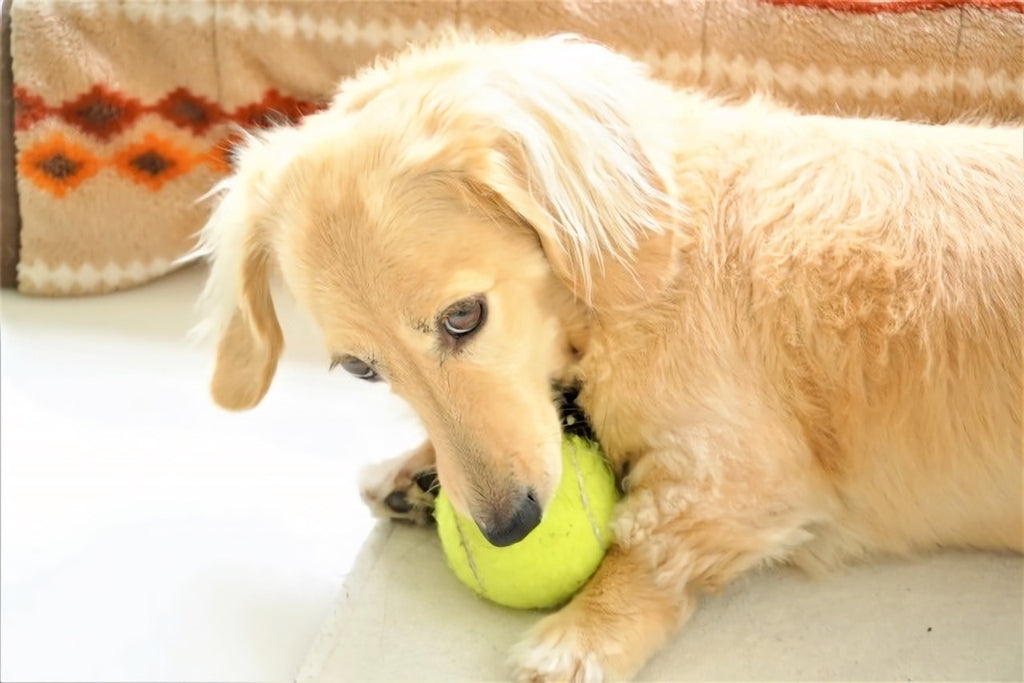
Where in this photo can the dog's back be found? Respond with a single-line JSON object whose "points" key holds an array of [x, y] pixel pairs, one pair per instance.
{"points": [[888, 274]]}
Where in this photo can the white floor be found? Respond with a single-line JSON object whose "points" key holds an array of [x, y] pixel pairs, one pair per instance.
{"points": [[146, 534], [949, 617]]}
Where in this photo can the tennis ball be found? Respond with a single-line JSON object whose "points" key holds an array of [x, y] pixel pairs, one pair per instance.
{"points": [[547, 567]]}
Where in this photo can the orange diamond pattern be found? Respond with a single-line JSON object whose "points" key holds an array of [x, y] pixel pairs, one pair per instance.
{"points": [[222, 155], [28, 108], [274, 109], [104, 112], [57, 165], [101, 112], [154, 161], [186, 110]]}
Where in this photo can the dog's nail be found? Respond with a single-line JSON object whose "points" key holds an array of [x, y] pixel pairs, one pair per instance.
{"points": [[397, 501], [427, 481]]}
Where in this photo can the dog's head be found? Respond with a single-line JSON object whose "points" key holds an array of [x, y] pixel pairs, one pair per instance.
{"points": [[454, 222]]}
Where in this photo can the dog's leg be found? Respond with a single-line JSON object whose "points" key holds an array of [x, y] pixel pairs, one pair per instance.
{"points": [[674, 540], [402, 488]]}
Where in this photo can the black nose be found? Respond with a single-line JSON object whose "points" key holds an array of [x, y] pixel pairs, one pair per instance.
{"points": [[511, 528]]}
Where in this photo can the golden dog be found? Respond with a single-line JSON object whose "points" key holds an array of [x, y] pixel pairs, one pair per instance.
{"points": [[799, 338]]}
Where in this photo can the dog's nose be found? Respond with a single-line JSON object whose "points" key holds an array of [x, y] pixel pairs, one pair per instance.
{"points": [[509, 528]]}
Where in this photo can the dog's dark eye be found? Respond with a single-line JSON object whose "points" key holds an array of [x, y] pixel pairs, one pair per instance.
{"points": [[464, 318], [355, 367]]}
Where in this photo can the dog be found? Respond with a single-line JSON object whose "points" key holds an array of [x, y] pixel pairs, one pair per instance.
{"points": [[797, 337]]}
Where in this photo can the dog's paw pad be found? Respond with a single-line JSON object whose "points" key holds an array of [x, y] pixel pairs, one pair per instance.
{"points": [[392, 492], [554, 652], [398, 502], [427, 481]]}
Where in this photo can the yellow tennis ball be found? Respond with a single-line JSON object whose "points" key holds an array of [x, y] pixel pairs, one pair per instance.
{"points": [[547, 567]]}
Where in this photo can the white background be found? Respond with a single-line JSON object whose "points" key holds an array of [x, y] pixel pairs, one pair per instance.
{"points": [[148, 535]]}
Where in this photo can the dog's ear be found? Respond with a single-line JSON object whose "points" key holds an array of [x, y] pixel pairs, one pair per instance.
{"points": [[576, 158], [237, 300]]}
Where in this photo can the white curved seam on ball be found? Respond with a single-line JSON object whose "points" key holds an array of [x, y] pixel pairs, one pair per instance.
{"points": [[594, 526], [469, 556]]}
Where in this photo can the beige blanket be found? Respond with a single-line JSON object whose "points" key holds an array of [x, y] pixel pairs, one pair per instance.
{"points": [[123, 111]]}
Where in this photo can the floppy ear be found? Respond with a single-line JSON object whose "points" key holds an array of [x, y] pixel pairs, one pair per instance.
{"points": [[237, 295], [574, 158]]}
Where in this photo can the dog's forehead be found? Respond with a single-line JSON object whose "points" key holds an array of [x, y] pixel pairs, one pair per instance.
{"points": [[382, 313], [356, 252]]}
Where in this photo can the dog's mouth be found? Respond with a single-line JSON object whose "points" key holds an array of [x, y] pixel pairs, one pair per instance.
{"points": [[573, 421], [573, 418]]}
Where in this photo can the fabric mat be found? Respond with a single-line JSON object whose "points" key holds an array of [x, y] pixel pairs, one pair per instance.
{"points": [[125, 112]]}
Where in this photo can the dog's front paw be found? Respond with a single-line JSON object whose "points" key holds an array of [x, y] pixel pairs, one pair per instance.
{"points": [[401, 489], [557, 650]]}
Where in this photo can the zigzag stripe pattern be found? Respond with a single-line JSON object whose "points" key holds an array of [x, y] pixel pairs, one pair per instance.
{"points": [[282, 21], [672, 65], [288, 23], [103, 112], [40, 277], [812, 80], [897, 6], [58, 165]]}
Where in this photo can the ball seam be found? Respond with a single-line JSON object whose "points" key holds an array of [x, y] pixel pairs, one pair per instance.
{"points": [[469, 556], [594, 526]]}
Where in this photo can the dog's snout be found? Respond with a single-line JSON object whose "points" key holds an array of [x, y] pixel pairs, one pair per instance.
{"points": [[511, 524]]}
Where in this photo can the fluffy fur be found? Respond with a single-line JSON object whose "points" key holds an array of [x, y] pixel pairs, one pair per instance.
{"points": [[798, 337]]}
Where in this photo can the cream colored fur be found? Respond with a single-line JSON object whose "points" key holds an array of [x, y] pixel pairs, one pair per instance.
{"points": [[799, 337]]}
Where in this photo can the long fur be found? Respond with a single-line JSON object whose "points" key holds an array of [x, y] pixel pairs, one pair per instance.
{"points": [[798, 338]]}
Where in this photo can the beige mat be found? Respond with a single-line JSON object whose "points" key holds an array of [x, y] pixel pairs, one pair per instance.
{"points": [[124, 112], [403, 617]]}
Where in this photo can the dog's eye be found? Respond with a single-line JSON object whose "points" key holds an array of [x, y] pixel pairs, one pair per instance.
{"points": [[355, 367], [464, 317]]}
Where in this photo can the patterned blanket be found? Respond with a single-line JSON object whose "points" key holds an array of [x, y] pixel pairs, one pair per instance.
{"points": [[123, 112]]}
